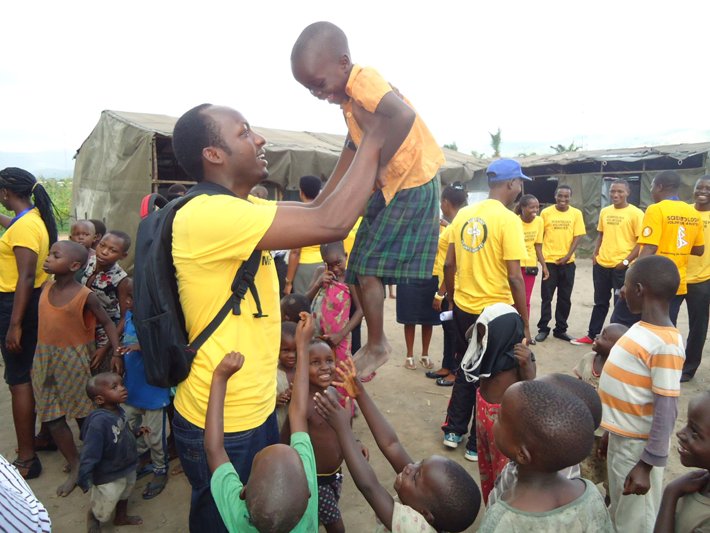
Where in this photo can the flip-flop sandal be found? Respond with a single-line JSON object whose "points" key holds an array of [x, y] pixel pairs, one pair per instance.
{"points": [[153, 489], [435, 374], [443, 382], [409, 364], [426, 362]]}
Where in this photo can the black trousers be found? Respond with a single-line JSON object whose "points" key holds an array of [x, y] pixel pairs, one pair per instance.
{"points": [[698, 301], [607, 282], [561, 279], [622, 315], [462, 405]]}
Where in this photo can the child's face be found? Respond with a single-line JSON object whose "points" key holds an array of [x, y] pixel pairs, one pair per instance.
{"points": [[324, 77], [110, 249], [83, 233], [694, 438], [59, 261], [287, 352], [321, 365], [604, 342], [416, 484], [112, 391], [336, 264]]}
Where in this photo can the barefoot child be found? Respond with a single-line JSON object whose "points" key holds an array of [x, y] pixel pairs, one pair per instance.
{"points": [[145, 406], [545, 429], [68, 313], [639, 388], [108, 457], [282, 494], [685, 506], [588, 370], [434, 494], [397, 239], [329, 456], [286, 371], [105, 277]]}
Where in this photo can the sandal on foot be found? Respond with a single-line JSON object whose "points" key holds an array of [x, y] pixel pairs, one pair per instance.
{"points": [[29, 469], [155, 487], [409, 364], [443, 382], [426, 362]]}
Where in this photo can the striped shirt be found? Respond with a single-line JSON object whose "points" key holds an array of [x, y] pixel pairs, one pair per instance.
{"points": [[20, 510], [647, 360]]}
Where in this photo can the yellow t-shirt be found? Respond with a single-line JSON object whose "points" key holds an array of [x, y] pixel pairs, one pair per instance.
{"points": [[349, 241], [532, 233], [212, 237], [485, 236], [419, 157], [29, 232], [675, 227], [621, 228], [699, 267], [561, 227], [310, 255], [441, 253]]}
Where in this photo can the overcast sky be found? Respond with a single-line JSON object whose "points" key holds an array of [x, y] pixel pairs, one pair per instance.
{"points": [[599, 73]]}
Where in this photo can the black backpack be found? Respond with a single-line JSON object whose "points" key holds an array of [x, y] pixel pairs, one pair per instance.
{"points": [[158, 317]]}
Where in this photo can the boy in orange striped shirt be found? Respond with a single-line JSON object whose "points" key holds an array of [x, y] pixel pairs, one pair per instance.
{"points": [[639, 388]]}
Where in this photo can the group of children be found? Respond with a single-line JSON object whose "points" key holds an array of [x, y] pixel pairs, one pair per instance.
{"points": [[87, 347]]}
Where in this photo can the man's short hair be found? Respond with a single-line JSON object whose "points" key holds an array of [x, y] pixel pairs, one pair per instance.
{"points": [[563, 186], [123, 236], [193, 132], [668, 179], [455, 195], [622, 181], [310, 186], [657, 275]]}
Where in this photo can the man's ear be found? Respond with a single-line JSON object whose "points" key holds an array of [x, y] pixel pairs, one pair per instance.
{"points": [[344, 61], [212, 154], [523, 455]]}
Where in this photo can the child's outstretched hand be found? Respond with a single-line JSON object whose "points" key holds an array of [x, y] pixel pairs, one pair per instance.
{"points": [[305, 328], [328, 406], [348, 378], [229, 365]]}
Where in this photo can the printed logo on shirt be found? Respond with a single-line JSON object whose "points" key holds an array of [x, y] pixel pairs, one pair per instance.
{"points": [[474, 234], [647, 231], [681, 242]]}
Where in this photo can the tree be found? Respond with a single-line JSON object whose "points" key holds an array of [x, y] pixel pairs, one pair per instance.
{"points": [[452, 146], [561, 148], [479, 155], [495, 142]]}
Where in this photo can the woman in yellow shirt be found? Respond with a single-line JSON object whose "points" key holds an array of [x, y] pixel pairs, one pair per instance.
{"points": [[24, 246], [533, 228]]}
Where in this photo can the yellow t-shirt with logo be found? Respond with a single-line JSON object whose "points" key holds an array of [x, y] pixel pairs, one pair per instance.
{"points": [[561, 227], [30, 232], [675, 227], [532, 233], [212, 237], [699, 267], [441, 250], [621, 228], [485, 236]]}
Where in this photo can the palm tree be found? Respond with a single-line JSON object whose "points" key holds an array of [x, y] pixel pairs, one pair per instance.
{"points": [[495, 142], [561, 148]]}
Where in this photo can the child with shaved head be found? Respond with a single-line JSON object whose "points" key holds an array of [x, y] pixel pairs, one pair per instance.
{"points": [[282, 494], [397, 239], [544, 428]]}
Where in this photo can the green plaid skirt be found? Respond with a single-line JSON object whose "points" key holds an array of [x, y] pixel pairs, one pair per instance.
{"points": [[397, 242]]}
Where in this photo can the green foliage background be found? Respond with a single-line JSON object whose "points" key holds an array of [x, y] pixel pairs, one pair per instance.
{"points": [[59, 191]]}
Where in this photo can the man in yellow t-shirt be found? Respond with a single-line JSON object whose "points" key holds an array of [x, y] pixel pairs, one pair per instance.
{"points": [[619, 228], [482, 267], [670, 228], [698, 297], [564, 227], [212, 236]]}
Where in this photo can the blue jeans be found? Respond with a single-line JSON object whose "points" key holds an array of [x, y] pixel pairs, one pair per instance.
{"points": [[241, 447]]}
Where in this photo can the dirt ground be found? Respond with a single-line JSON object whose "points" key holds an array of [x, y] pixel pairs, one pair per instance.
{"points": [[414, 405]]}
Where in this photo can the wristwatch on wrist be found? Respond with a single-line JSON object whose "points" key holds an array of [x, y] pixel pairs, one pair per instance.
{"points": [[625, 262]]}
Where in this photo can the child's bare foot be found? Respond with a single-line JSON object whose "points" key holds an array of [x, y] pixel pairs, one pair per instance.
{"points": [[68, 486], [370, 358], [66, 468], [122, 517], [92, 525]]}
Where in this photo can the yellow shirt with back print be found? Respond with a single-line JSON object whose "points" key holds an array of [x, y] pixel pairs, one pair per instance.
{"points": [[675, 228]]}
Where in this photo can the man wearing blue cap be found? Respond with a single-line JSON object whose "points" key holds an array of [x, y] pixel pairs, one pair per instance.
{"points": [[564, 227], [482, 267]]}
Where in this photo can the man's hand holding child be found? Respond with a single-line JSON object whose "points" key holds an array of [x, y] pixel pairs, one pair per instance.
{"points": [[228, 366]]}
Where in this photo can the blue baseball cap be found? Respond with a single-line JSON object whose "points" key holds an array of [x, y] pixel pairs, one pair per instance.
{"points": [[504, 170]]}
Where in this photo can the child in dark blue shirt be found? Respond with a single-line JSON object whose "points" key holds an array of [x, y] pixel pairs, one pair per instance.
{"points": [[109, 458], [145, 406]]}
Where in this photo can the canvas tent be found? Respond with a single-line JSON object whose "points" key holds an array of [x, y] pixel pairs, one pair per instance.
{"points": [[590, 174], [128, 155]]}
